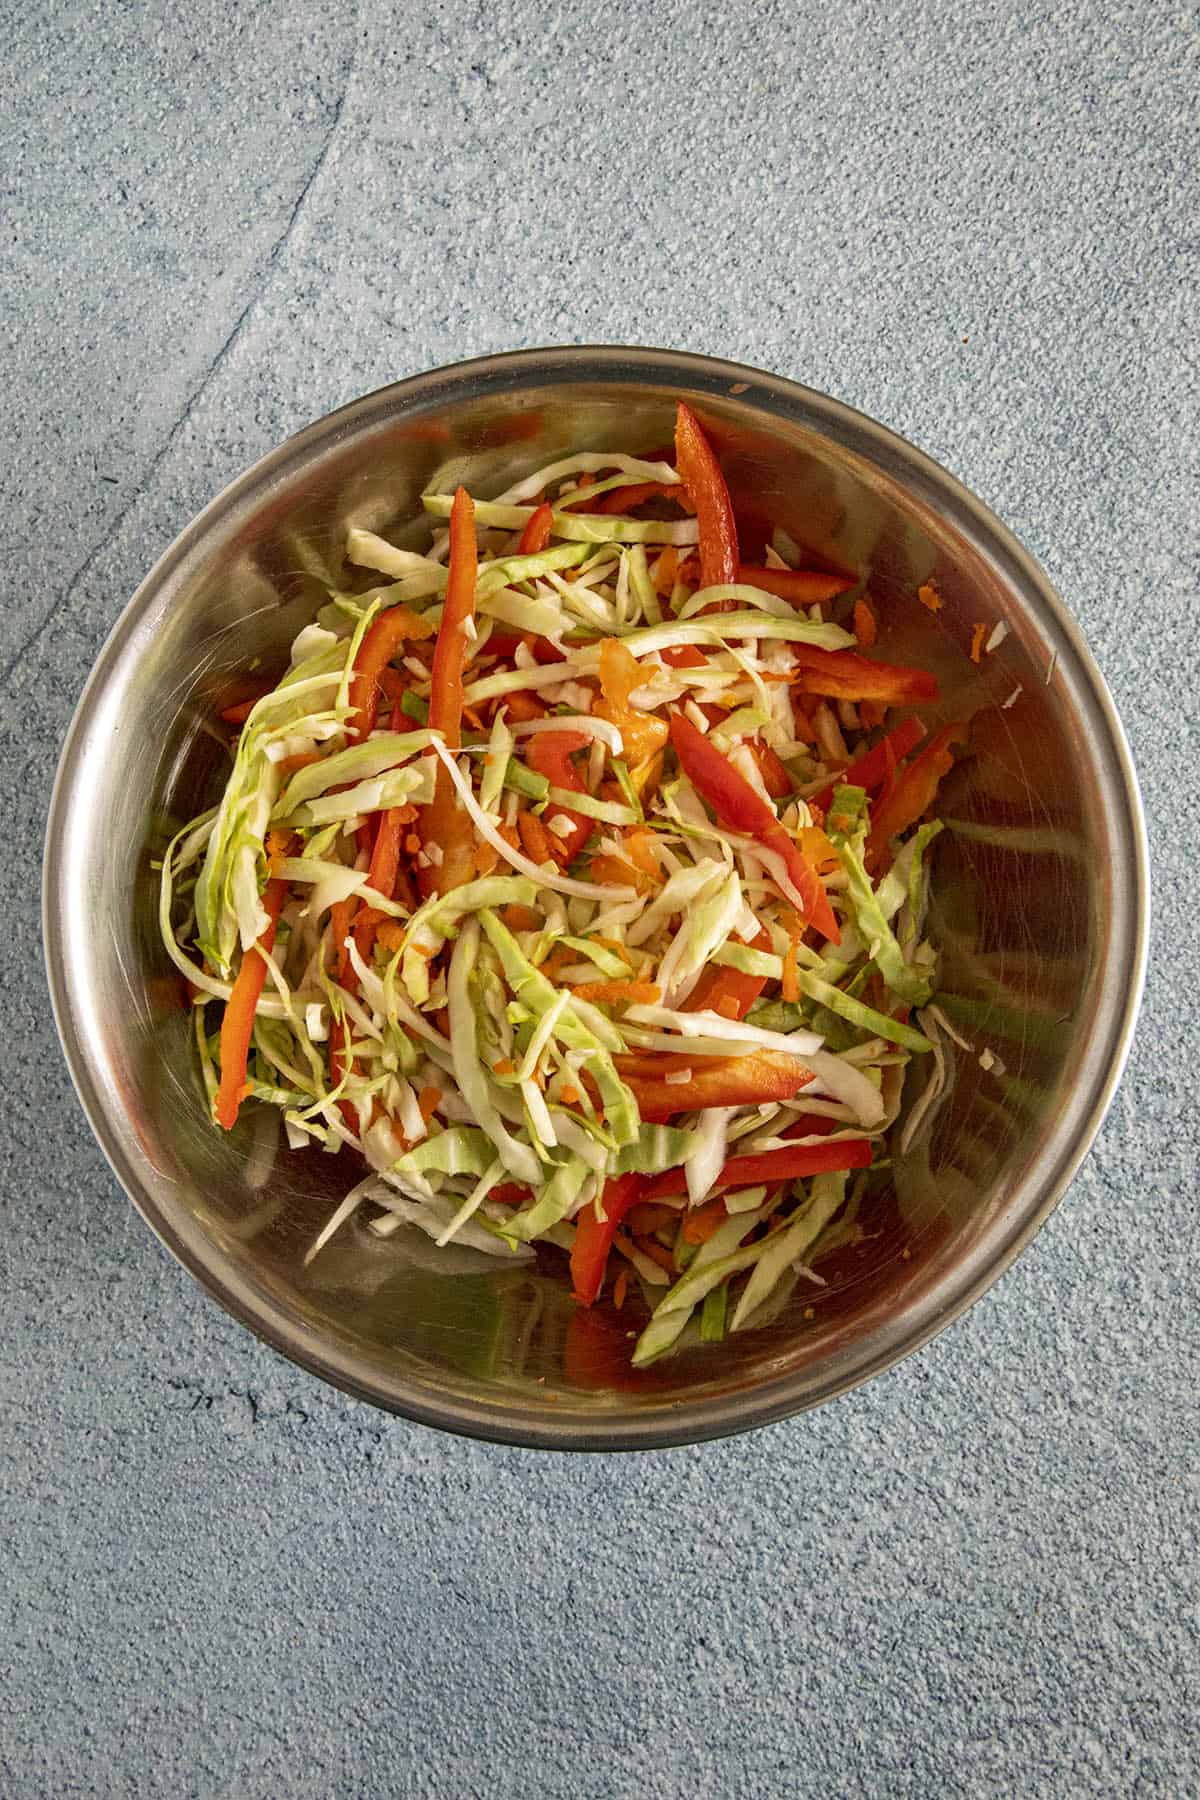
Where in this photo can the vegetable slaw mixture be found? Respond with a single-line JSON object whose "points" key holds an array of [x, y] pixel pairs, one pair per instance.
{"points": [[574, 877]]}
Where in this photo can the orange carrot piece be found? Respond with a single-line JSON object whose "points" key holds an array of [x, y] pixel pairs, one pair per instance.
{"points": [[637, 993], [790, 985], [866, 629], [977, 637]]}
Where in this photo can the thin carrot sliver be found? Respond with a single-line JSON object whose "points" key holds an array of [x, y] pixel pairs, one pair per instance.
{"points": [[977, 637]]}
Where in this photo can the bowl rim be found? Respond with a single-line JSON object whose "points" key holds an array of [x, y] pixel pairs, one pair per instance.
{"points": [[1036, 1193]]}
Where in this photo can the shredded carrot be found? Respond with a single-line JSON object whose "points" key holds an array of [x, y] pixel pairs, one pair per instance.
{"points": [[657, 1253], [472, 717], [520, 918], [614, 871], [505, 1066], [790, 987], [570, 1096], [620, 1288], [287, 765], [639, 993], [928, 595], [666, 570], [429, 1099], [617, 949], [866, 629], [535, 839], [487, 857], [699, 1226], [523, 706], [637, 842], [977, 637], [391, 935], [412, 843], [277, 845]]}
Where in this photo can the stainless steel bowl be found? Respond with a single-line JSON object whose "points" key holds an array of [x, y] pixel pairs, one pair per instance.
{"points": [[1041, 905]]}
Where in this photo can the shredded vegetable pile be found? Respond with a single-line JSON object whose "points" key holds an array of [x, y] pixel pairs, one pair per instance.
{"points": [[573, 878]]}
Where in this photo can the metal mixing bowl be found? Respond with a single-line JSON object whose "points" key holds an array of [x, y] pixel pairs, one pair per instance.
{"points": [[1040, 885]]}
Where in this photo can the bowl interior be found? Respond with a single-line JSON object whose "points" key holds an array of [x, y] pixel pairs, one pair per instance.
{"points": [[1038, 905]]}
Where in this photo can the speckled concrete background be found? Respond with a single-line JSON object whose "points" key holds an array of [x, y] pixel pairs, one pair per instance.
{"points": [[978, 1576]]}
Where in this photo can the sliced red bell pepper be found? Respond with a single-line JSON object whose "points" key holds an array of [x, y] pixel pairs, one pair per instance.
{"points": [[445, 822], [844, 675], [740, 807], [625, 499], [237, 1024], [776, 779], [915, 789], [684, 656], [594, 1237], [506, 644], [549, 753], [380, 643], [536, 534], [869, 770], [802, 587], [701, 474], [716, 1081], [790, 1164], [730, 992]]}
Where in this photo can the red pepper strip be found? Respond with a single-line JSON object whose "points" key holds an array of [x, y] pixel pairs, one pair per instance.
{"points": [[594, 1237], [701, 474], [716, 1081], [772, 1166], [237, 1025], [722, 990], [549, 753], [445, 821], [803, 587], [776, 779], [506, 644], [382, 640], [844, 675], [869, 770], [625, 499], [536, 534], [915, 789], [737, 805]]}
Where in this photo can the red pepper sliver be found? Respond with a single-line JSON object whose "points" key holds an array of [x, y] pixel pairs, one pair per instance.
{"points": [[701, 474], [594, 1237], [803, 587], [740, 807], [237, 1025], [444, 821], [536, 534], [869, 770], [772, 1165], [549, 753]]}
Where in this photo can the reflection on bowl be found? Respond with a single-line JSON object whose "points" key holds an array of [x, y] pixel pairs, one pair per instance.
{"points": [[1039, 888]]}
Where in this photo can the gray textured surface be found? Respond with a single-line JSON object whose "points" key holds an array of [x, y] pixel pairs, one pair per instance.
{"points": [[978, 1575]]}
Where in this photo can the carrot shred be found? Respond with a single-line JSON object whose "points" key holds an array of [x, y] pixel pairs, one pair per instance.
{"points": [[657, 1253], [639, 993], [620, 1289], [666, 570], [977, 637], [866, 629], [504, 1066], [429, 1099], [535, 839], [790, 986], [929, 597]]}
